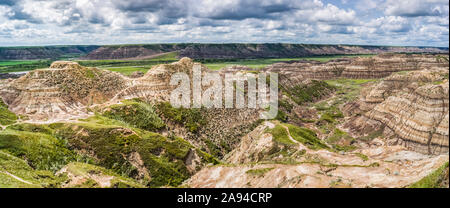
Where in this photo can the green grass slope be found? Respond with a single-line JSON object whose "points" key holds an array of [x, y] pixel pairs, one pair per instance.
{"points": [[6, 117], [437, 179], [120, 141]]}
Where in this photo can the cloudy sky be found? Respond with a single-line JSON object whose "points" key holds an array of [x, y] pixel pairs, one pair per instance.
{"points": [[370, 22]]}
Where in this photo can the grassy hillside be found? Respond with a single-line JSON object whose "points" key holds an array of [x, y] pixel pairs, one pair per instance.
{"points": [[6, 117], [437, 179], [127, 67], [117, 144], [23, 65]]}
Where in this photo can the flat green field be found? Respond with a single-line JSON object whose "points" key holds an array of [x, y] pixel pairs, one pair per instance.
{"points": [[13, 63], [127, 67], [328, 58], [253, 63], [127, 70], [261, 63], [22, 65]]}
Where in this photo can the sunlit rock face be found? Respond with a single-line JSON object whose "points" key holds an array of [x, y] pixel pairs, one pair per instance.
{"points": [[61, 91], [250, 165], [413, 105], [66, 89], [357, 68], [155, 84]]}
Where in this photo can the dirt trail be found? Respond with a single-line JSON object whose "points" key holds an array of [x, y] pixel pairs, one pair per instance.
{"points": [[11, 175], [15, 177], [378, 165], [289, 134]]}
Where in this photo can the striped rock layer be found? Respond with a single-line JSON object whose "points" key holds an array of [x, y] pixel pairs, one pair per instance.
{"points": [[414, 105], [251, 166], [62, 91], [357, 68]]}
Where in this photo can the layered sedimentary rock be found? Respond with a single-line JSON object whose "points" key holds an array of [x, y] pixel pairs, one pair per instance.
{"points": [[67, 90], [131, 51], [357, 68], [296, 165], [310, 175], [61, 91], [414, 106], [155, 83]]}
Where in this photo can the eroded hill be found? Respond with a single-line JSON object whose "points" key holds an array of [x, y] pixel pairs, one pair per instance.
{"points": [[361, 122], [44, 52], [370, 132], [282, 155]]}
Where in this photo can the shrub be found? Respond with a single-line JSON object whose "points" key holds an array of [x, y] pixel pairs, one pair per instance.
{"points": [[306, 137], [137, 114], [308, 93], [280, 135], [191, 119], [259, 172], [281, 116]]}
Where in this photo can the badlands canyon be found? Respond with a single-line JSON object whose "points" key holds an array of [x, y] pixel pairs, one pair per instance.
{"points": [[379, 121]]}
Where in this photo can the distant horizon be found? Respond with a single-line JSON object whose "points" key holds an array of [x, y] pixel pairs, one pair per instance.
{"points": [[156, 43]]}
